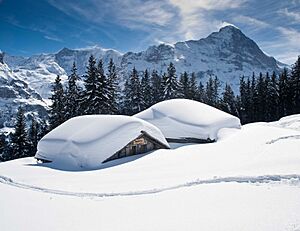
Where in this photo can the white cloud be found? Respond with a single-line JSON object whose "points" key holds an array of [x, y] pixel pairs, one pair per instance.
{"points": [[250, 21], [284, 47], [295, 16], [167, 20], [53, 38], [188, 6], [131, 13], [196, 20], [292, 35], [150, 13]]}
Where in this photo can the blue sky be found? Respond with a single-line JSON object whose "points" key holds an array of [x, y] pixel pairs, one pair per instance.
{"points": [[35, 26]]}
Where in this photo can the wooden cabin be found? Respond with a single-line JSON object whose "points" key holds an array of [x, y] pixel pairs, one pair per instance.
{"points": [[142, 144], [86, 142]]}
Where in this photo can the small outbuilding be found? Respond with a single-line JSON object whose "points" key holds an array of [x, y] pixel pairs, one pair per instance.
{"points": [[188, 121], [86, 142]]}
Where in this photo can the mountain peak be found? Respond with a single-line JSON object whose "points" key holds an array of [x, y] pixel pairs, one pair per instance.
{"points": [[229, 27]]}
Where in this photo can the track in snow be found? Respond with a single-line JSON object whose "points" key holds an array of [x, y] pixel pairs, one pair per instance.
{"points": [[284, 138], [255, 179]]}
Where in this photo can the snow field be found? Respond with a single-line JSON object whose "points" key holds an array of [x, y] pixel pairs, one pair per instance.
{"points": [[248, 180]]}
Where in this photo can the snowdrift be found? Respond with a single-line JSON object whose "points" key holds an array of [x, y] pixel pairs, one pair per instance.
{"points": [[182, 118], [290, 122], [84, 142]]}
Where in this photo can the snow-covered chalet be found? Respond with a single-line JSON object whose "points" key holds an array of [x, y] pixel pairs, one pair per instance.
{"points": [[89, 141]]}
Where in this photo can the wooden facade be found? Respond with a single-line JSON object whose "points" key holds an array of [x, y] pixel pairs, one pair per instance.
{"points": [[142, 144]]}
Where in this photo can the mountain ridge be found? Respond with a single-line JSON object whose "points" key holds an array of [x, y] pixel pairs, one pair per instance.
{"points": [[227, 53]]}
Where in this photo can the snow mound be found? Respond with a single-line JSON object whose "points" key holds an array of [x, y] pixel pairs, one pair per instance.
{"points": [[84, 142], [182, 118], [289, 122]]}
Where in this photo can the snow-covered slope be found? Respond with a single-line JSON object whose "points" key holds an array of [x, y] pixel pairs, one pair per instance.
{"points": [[15, 92], [182, 118], [38, 71], [291, 122], [84, 142], [66, 57], [249, 180]]}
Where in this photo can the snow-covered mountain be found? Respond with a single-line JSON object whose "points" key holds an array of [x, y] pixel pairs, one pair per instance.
{"points": [[66, 57], [227, 54], [15, 92]]}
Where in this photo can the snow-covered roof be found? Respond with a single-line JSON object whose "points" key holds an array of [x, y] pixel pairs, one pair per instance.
{"points": [[182, 118], [86, 141]]}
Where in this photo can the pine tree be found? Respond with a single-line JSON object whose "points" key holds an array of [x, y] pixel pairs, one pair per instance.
{"points": [[95, 97], [157, 89], [249, 100], [86, 103], [254, 100], [170, 83], [295, 86], [228, 103], [273, 98], [43, 129], [184, 85], [56, 113], [245, 100], [102, 94], [268, 116], [216, 89], [113, 89], [283, 93], [132, 94], [3, 148], [210, 98], [193, 92], [19, 145], [146, 90], [261, 97], [72, 95], [201, 96], [33, 135]]}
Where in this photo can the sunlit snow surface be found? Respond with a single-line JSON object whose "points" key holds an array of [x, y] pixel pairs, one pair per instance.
{"points": [[248, 180], [183, 118]]}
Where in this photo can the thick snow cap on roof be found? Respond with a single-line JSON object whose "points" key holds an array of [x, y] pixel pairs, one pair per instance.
{"points": [[182, 118], [86, 141]]}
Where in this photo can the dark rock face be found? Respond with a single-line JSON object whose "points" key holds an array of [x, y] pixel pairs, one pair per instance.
{"points": [[7, 93], [1, 57]]}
